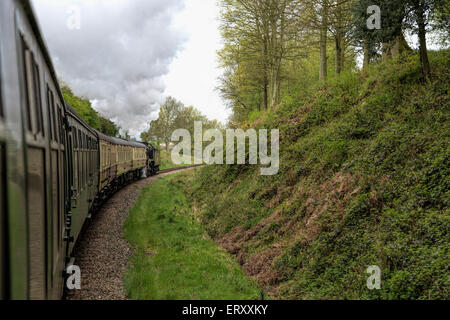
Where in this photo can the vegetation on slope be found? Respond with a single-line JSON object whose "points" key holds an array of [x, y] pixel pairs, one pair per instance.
{"points": [[83, 107], [174, 258], [364, 180]]}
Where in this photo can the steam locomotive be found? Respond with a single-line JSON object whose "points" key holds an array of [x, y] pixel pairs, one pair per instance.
{"points": [[55, 170]]}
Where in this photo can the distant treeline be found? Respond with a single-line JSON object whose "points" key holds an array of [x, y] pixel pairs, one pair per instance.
{"points": [[174, 115]]}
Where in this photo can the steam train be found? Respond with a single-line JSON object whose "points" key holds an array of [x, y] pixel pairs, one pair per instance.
{"points": [[55, 170]]}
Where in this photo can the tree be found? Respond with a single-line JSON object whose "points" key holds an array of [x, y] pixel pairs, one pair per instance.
{"points": [[259, 36], [83, 108], [108, 127], [441, 21], [161, 129], [323, 40], [415, 15], [422, 10], [340, 24], [420, 14], [390, 35], [174, 115]]}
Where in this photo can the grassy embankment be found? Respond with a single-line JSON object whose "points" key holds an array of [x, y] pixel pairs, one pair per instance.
{"points": [[166, 161], [364, 180], [174, 257]]}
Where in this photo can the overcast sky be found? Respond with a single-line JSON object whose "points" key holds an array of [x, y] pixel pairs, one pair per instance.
{"points": [[127, 56]]}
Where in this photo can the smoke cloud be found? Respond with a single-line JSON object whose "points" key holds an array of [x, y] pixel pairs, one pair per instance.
{"points": [[114, 53]]}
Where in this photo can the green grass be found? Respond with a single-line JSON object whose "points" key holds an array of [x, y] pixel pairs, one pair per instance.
{"points": [[174, 258], [166, 161]]}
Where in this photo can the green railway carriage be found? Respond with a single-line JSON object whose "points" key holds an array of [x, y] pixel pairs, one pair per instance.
{"points": [[84, 173], [34, 160], [54, 169]]}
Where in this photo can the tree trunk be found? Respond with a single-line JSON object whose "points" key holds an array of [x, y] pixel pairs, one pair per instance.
{"points": [[266, 80], [394, 48], [274, 85], [366, 61], [323, 42], [266, 97], [339, 39], [385, 52], [340, 54], [424, 62]]}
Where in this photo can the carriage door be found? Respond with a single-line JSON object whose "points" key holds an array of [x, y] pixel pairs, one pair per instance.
{"points": [[58, 183], [62, 174], [36, 175]]}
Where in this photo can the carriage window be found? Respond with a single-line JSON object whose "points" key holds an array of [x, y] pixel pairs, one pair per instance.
{"points": [[63, 132], [27, 57], [1, 106], [56, 120], [80, 164], [50, 115], [35, 123], [60, 124], [75, 139], [39, 115]]}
